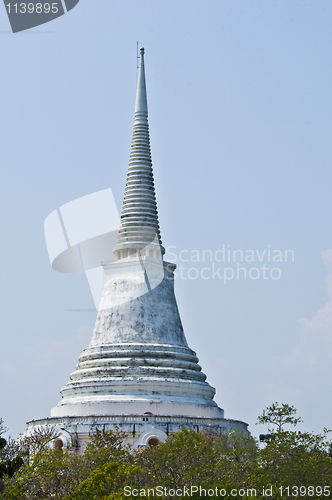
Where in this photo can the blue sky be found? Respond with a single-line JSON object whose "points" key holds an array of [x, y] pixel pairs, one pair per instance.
{"points": [[239, 97]]}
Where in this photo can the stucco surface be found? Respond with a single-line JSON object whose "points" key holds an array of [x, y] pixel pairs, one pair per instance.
{"points": [[138, 355]]}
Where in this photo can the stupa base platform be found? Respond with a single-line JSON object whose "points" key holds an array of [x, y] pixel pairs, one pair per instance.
{"points": [[140, 430]]}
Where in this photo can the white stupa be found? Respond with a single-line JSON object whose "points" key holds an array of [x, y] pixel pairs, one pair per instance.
{"points": [[138, 373]]}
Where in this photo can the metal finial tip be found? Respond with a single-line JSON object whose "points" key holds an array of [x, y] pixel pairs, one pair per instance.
{"points": [[142, 50]]}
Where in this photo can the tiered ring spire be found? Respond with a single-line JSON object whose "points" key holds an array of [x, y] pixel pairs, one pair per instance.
{"points": [[139, 226]]}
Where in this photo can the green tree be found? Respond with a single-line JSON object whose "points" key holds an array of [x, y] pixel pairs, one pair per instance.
{"points": [[38, 440], [279, 416], [106, 482], [206, 459], [51, 473], [197, 458], [10, 461], [292, 459], [104, 447]]}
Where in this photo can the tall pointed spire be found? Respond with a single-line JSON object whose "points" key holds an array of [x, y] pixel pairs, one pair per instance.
{"points": [[139, 226], [141, 99]]}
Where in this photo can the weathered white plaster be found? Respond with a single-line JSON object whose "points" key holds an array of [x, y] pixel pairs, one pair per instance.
{"points": [[138, 357]]}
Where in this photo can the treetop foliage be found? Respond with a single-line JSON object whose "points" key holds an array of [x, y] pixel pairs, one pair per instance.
{"points": [[232, 461], [279, 416]]}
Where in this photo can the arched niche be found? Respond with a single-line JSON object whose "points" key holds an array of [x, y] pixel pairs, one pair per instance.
{"points": [[58, 444]]}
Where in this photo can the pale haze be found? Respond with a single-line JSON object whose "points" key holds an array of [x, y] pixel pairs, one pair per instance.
{"points": [[239, 96]]}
